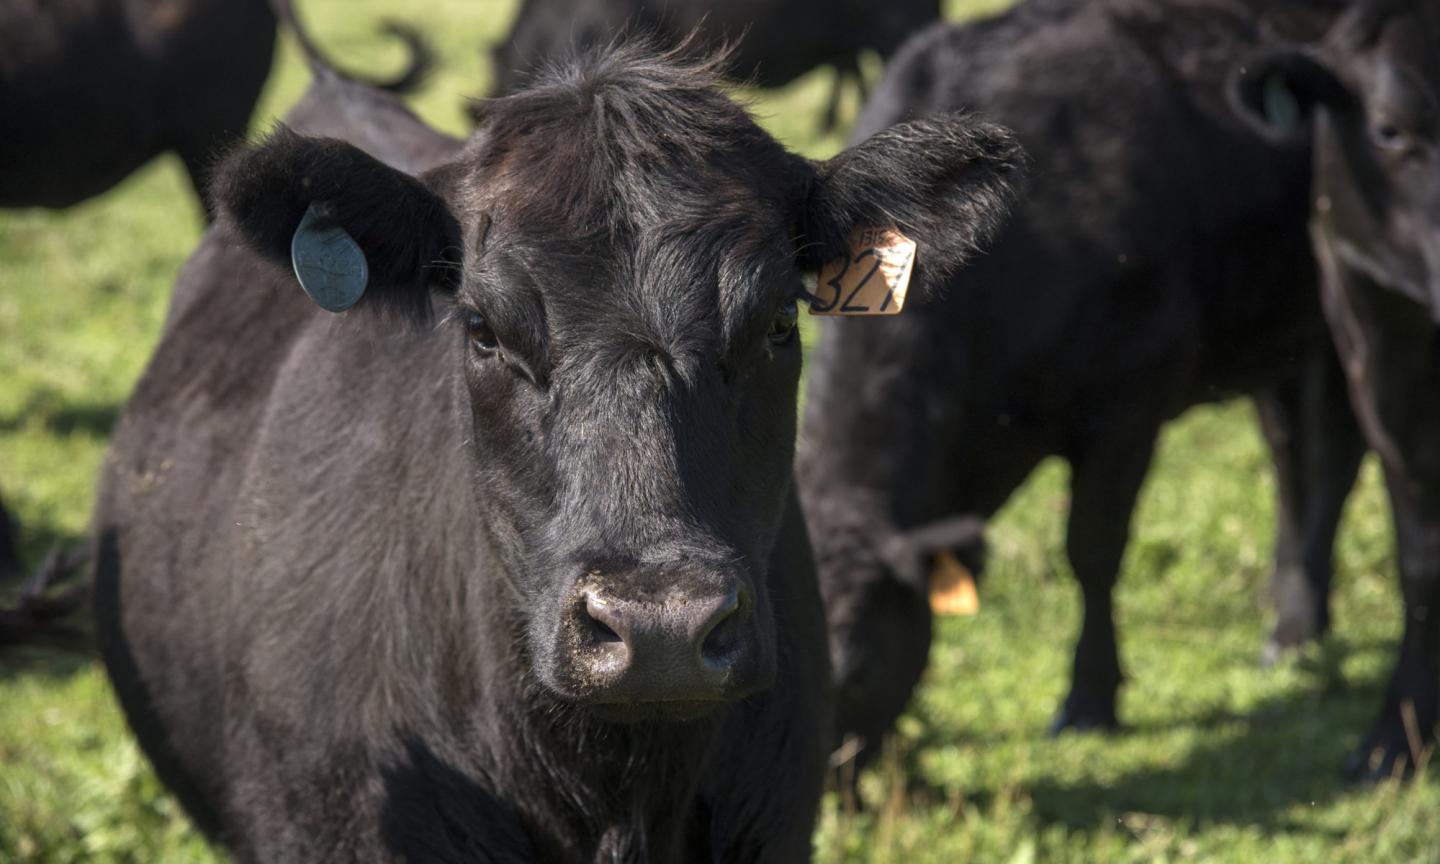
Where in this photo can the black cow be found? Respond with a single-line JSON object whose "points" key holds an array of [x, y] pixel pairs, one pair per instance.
{"points": [[90, 90], [776, 41], [1161, 260], [1372, 90], [527, 581]]}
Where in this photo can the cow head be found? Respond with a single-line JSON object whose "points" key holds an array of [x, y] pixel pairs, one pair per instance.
{"points": [[1372, 90], [616, 260]]}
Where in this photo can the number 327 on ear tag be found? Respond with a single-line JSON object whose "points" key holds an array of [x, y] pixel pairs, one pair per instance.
{"points": [[328, 262], [870, 279]]}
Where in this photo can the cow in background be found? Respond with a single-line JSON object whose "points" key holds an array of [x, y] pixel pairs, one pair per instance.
{"points": [[1368, 98], [90, 90], [1160, 260], [775, 41]]}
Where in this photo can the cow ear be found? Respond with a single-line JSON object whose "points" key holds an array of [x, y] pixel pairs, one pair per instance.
{"points": [[354, 229], [947, 182], [1276, 93], [912, 556]]}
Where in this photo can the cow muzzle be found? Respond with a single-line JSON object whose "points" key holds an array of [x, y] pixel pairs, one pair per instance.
{"points": [[662, 642]]}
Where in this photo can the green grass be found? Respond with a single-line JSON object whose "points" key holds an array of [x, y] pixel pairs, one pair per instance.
{"points": [[1222, 761]]}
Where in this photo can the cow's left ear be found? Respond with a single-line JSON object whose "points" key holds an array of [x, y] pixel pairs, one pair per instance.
{"points": [[1276, 93], [948, 182], [912, 555], [354, 229]]}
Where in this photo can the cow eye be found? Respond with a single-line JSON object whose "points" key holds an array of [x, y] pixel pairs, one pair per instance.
{"points": [[482, 338], [1388, 134], [783, 327]]}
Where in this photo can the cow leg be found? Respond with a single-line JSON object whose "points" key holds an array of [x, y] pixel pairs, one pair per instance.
{"points": [[1412, 700], [848, 68], [858, 74], [832, 106], [1107, 470], [1316, 447], [9, 548], [199, 164]]}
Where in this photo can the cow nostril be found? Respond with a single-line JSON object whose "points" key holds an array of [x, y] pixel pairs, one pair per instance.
{"points": [[603, 633], [602, 619], [722, 632]]}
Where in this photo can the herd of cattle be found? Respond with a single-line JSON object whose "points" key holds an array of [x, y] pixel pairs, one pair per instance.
{"points": [[511, 562]]}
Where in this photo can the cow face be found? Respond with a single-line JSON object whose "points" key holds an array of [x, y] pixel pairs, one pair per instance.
{"points": [[1373, 90], [617, 261]]}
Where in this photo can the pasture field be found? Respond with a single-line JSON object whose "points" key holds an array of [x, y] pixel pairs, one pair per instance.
{"points": [[1221, 761]]}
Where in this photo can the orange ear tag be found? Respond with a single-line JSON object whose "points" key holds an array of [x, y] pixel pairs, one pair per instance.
{"points": [[952, 588], [872, 277]]}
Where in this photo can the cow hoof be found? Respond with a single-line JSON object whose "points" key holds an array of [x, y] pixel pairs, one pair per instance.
{"points": [[1288, 639], [1276, 652], [1388, 752], [1078, 717], [1378, 762]]}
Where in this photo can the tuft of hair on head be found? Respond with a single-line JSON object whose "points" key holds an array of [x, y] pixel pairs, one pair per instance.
{"points": [[634, 56]]}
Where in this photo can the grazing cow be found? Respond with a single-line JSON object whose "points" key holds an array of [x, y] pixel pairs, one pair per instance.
{"points": [[1161, 260], [777, 41], [505, 564], [1370, 97], [90, 90]]}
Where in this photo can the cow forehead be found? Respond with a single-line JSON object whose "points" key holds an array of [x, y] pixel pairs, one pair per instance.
{"points": [[667, 284], [1412, 45], [1403, 35]]}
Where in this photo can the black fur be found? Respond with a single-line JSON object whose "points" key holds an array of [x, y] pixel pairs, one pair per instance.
{"points": [[1160, 260], [340, 560]]}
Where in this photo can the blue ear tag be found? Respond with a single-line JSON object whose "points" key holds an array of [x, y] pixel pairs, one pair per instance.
{"points": [[1282, 109], [329, 263]]}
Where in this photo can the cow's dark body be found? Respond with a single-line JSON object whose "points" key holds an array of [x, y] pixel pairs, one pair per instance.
{"points": [[90, 90], [1373, 90], [139, 78], [1160, 261], [782, 39], [317, 537]]}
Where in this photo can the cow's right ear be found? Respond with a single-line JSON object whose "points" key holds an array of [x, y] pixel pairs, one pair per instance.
{"points": [[325, 191], [1277, 93]]}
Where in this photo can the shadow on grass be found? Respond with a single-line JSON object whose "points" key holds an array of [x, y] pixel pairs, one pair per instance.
{"points": [[63, 416], [1250, 770], [1246, 768], [54, 663]]}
